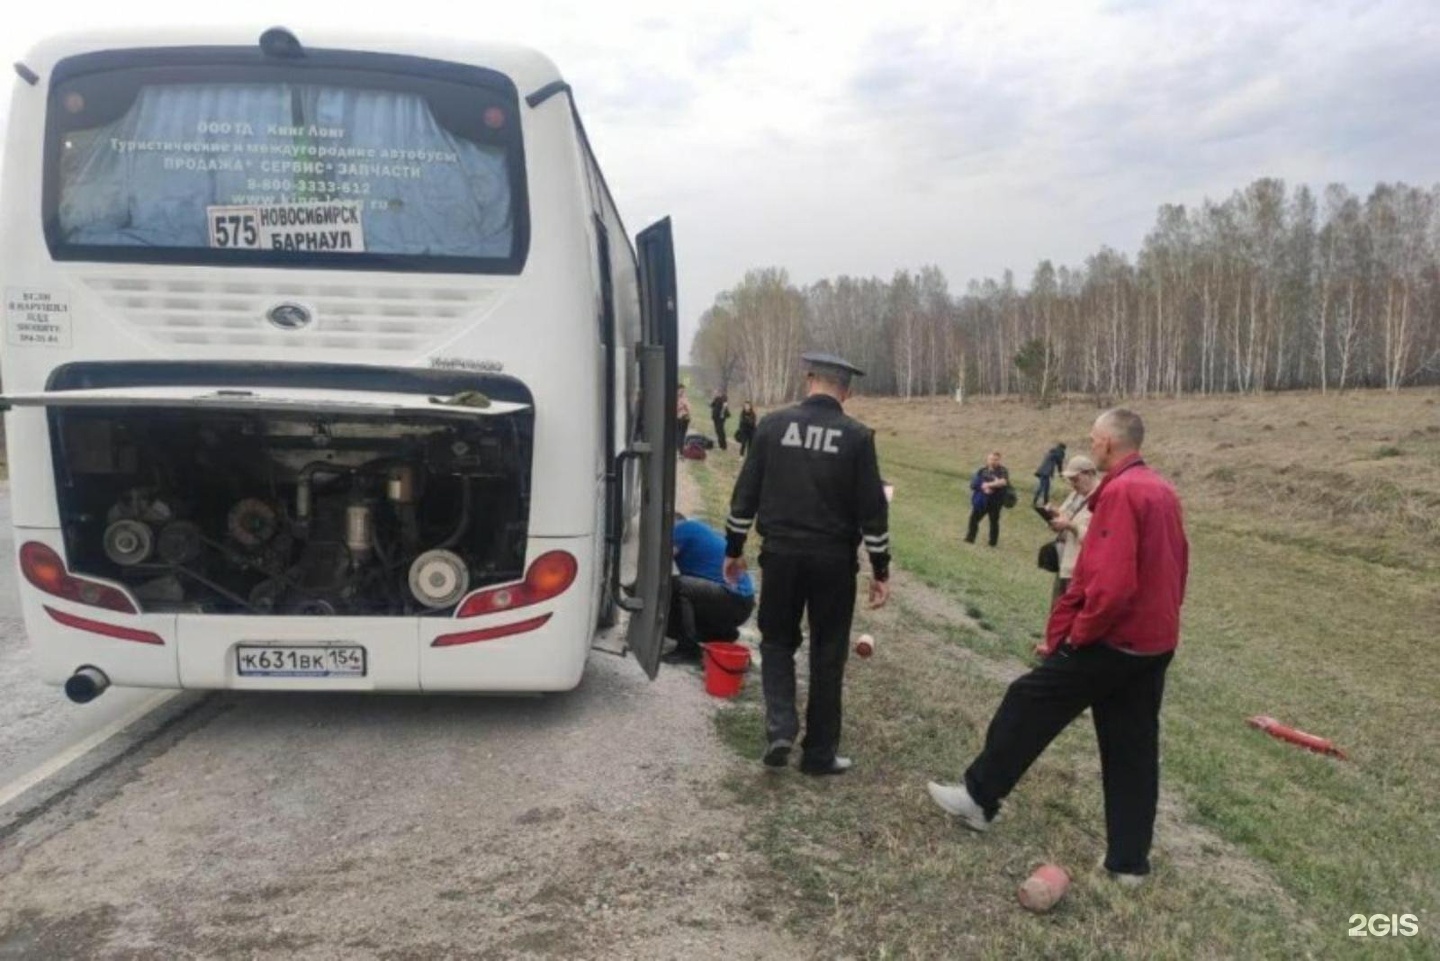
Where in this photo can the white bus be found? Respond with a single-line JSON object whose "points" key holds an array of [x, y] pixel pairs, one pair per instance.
{"points": [[327, 366]]}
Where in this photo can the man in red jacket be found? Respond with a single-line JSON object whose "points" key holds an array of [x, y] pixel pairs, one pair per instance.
{"points": [[1109, 640]]}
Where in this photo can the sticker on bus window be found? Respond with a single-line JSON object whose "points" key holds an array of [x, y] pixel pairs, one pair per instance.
{"points": [[321, 227], [36, 318]]}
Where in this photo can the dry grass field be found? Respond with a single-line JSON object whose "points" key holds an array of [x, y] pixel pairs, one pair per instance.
{"points": [[1315, 532]]}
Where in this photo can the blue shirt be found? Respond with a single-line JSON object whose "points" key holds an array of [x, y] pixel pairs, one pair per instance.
{"points": [[700, 552]]}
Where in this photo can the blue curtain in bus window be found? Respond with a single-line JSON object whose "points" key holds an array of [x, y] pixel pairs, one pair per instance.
{"points": [[443, 196], [146, 179]]}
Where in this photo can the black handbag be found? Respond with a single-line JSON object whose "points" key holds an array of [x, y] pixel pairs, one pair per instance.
{"points": [[1011, 498], [1049, 559]]}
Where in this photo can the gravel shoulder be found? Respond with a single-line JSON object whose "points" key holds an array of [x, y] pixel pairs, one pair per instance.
{"points": [[587, 825]]}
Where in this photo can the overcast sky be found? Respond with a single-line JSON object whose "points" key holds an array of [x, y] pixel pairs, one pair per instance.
{"points": [[835, 138]]}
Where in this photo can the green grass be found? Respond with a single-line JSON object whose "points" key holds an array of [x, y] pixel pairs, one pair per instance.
{"points": [[1265, 851]]}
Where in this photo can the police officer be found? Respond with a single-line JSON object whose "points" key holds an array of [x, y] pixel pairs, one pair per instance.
{"points": [[811, 487]]}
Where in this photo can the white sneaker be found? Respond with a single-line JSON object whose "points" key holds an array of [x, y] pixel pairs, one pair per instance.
{"points": [[1124, 880], [956, 800]]}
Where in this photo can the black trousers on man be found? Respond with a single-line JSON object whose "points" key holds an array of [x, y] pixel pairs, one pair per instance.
{"points": [[991, 509], [719, 431], [824, 587], [1123, 692], [702, 610]]}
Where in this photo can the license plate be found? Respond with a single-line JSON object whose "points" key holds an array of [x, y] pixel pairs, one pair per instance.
{"points": [[277, 661]]}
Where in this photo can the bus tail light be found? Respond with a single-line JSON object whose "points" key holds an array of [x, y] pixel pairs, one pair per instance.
{"points": [[549, 575], [490, 633], [45, 571], [104, 630]]}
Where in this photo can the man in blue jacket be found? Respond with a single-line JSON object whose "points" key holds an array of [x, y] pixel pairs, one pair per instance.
{"points": [[703, 607], [987, 497], [1053, 463]]}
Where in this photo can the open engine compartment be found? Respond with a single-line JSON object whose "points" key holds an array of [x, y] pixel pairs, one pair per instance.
{"points": [[247, 512]]}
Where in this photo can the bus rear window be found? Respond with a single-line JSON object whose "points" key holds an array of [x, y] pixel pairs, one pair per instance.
{"points": [[250, 166]]}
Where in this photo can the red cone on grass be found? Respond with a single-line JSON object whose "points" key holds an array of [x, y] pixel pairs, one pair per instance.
{"points": [[1310, 742]]}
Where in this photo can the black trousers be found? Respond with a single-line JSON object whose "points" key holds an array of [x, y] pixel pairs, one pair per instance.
{"points": [[744, 441], [1123, 691], [991, 510], [719, 432], [702, 610], [823, 587], [682, 428]]}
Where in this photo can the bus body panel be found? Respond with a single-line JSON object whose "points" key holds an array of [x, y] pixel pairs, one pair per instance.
{"points": [[199, 650], [542, 327], [33, 503], [208, 644], [59, 650], [548, 658], [541, 332]]}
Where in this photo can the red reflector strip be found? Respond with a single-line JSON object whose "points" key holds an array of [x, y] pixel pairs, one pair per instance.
{"points": [[105, 630], [490, 633]]}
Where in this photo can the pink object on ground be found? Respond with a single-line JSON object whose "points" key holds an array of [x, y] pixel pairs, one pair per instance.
{"points": [[1044, 889]]}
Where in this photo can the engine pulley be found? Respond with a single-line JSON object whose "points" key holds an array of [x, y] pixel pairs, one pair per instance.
{"points": [[129, 542], [180, 543], [439, 579]]}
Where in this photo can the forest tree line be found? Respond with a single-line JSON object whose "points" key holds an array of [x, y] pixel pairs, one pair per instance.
{"points": [[1271, 289]]}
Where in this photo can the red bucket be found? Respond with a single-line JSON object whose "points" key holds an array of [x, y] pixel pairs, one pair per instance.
{"points": [[725, 667]]}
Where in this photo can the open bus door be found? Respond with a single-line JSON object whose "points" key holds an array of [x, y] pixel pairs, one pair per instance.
{"points": [[654, 446]]}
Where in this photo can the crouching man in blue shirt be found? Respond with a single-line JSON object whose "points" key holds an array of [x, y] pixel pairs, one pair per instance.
{"points": [[703, 607]]}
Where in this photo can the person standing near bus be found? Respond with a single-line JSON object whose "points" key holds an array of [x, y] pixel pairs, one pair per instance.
{"points": [[719, 416], [811, 486], [745, 433], [682, 418]]}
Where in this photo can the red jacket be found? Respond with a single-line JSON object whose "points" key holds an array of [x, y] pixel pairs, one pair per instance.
{"points": [[1130, 581]]}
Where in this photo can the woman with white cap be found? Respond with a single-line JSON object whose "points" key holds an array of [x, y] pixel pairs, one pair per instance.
{"points": [[1071, 520]]}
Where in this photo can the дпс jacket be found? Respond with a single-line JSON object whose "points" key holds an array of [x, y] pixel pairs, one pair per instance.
{"points": [[1130, 582], [811, 485]]}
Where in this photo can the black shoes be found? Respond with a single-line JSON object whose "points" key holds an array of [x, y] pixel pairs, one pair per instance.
{"points": [[777, 758], [682, 655], [777, 755], [838, 765]]}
